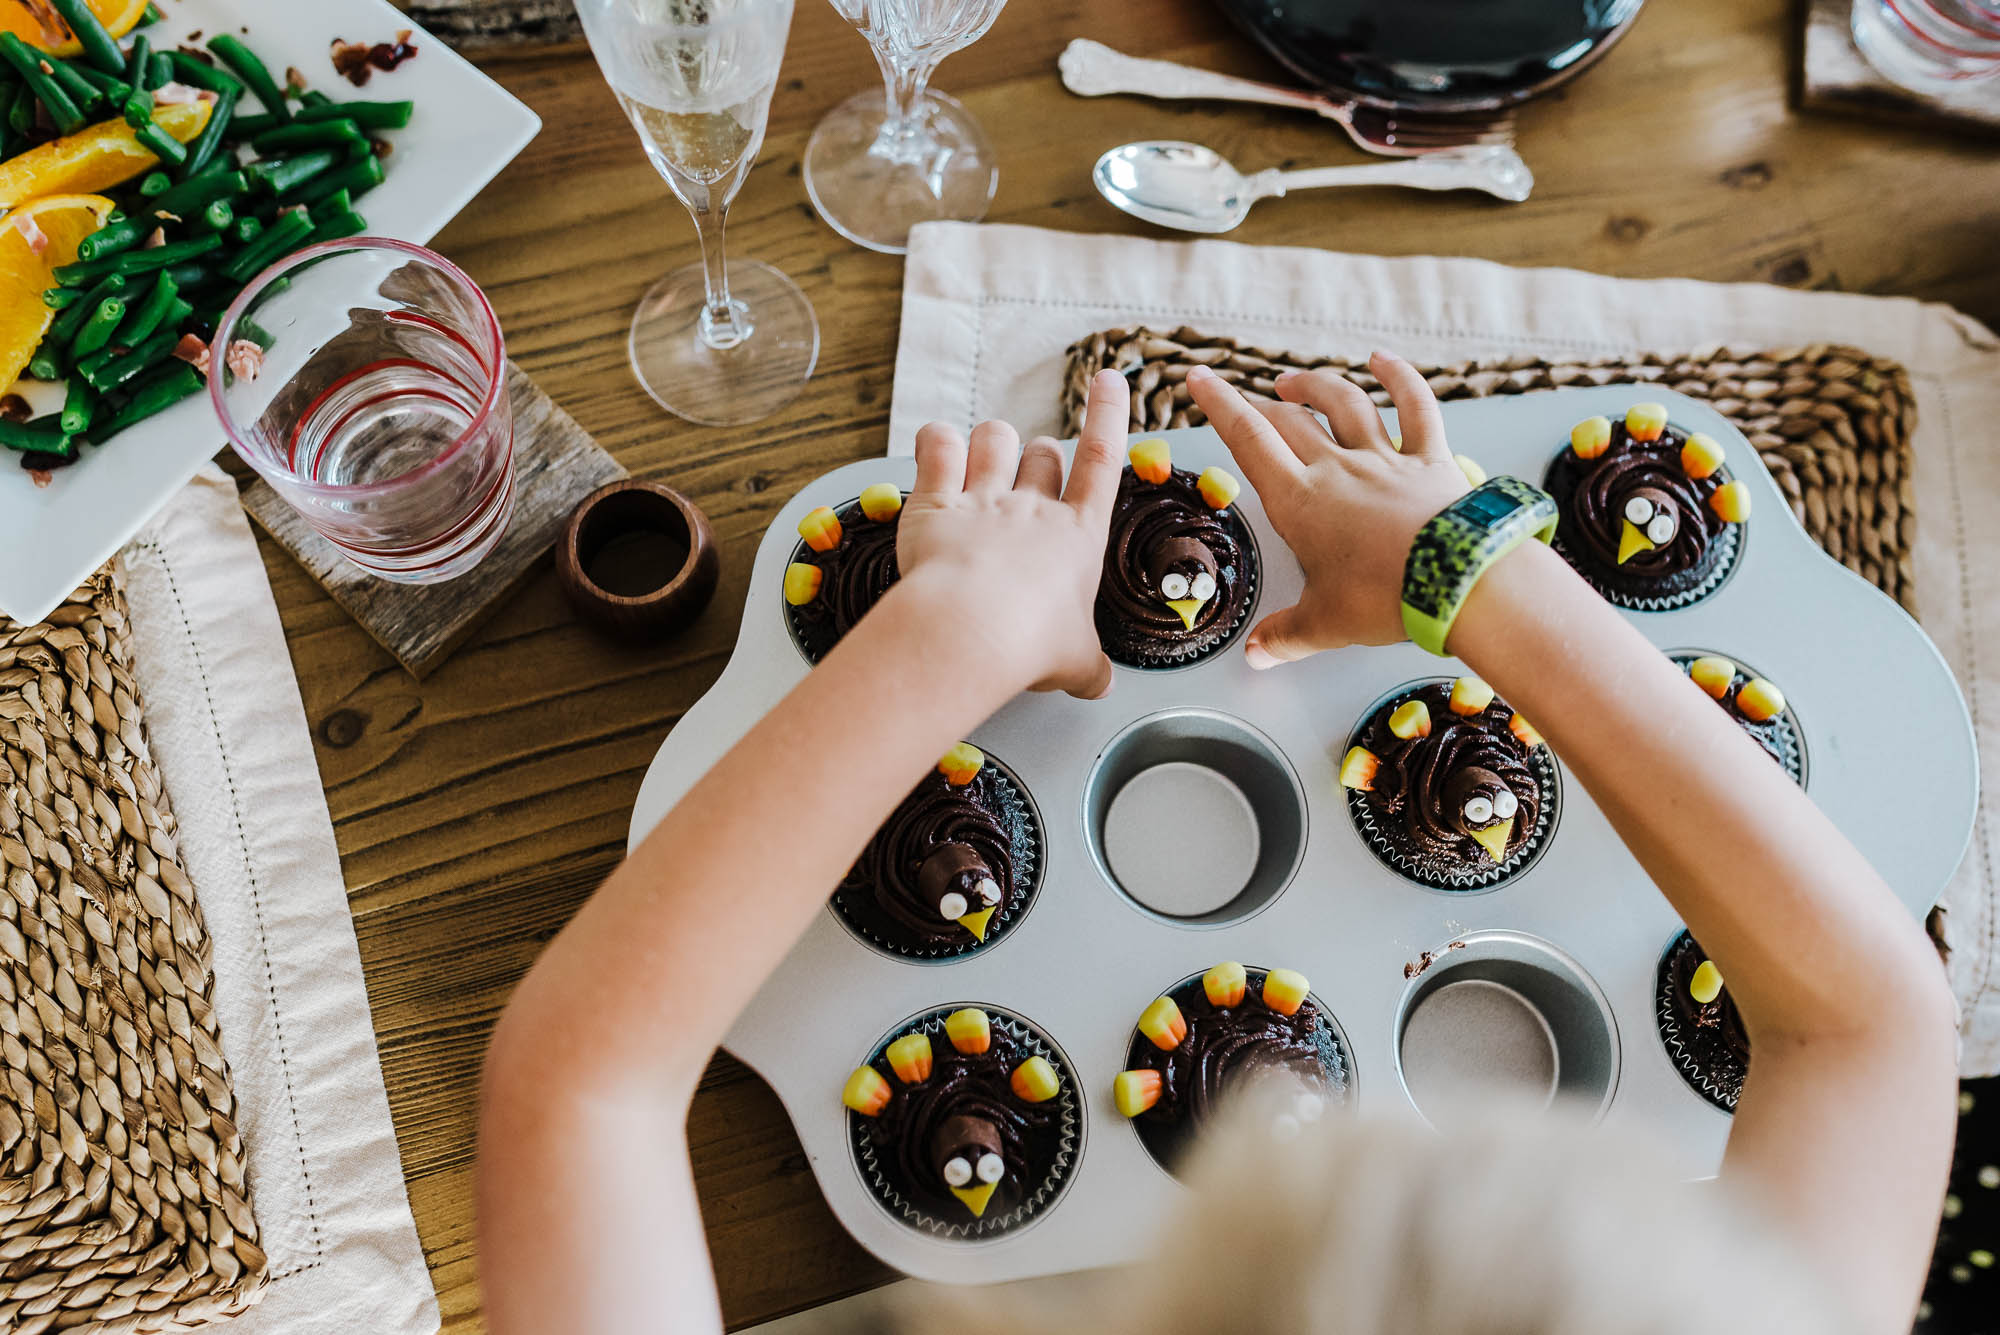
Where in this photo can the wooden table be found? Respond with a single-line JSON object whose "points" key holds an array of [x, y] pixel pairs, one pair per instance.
{"points": [[476, 812]]}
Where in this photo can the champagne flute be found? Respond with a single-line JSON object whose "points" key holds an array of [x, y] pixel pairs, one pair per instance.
{"points": [[877, 166], [715, 343]]}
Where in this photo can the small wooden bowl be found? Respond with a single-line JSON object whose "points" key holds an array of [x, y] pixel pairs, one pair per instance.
{"points": [[640, 511]]}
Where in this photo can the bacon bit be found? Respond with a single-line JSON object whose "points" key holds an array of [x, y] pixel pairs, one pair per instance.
{"points": [[156, 240], [294, 81], [195, 36], [31, 232], [192, 350], [14, 408], [41, 476], [382, 148], [46, 67], [291, 208], [197, 52], [175, 95], [170, 217], [357, 61], [245, 358]]}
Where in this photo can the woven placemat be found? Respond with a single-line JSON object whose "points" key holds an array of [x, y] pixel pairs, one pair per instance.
{"points": [[1832, 423], [123, 1205]]}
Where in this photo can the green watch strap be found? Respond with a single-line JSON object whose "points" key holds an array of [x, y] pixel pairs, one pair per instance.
{"points": [[1459, 544]]}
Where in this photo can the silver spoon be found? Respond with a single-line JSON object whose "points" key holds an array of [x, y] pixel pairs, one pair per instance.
{"points": [[1195, 189]]}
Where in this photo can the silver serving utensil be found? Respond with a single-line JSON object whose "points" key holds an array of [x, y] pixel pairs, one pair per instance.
{"points": [[1196, 189]]}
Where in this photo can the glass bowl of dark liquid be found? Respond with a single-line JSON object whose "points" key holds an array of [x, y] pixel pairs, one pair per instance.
{"points": [[1436, 55]]}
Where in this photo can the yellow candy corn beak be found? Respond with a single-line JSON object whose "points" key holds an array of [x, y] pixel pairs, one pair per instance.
{"points": [[1494, 838], [975, 1198], [1189, 608], [976, 923], [1631, 541]]}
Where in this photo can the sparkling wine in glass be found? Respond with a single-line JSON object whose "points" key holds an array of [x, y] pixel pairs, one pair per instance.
{"points": [[716, 342], [882, 162]]}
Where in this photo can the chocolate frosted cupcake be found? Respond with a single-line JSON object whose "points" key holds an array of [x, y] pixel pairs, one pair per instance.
{"points": [[1217, 1036], [1700, 1025], [1757, 706], [965, 1123], [1179, 569], [843, 565], [953, 868], [1450, 786], [1649, 515]]}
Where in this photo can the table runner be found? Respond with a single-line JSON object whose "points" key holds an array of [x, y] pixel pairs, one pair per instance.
{"points": [[990, 311]]}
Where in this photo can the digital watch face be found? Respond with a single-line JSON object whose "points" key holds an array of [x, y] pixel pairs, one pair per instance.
{"points": [[1486, 507]]}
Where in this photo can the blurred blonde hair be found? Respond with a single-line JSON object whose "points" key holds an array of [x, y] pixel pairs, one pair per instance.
{"points": [[1533, 1224]]}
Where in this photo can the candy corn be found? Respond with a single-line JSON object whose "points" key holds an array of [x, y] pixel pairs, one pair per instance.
{"points": [[1645, 421], [1218, 487], [910, 1058], [961, 764], [1411, 720], [1285, 990], [821, 529], [1524, 732], [1591, 437], [1163, 1024], [802, 583], [1760, 701], [1135, 1091], [1357, 769], [1701, 456], [1474, 474], [969, 1030], [1706, 985], [1225, 984], [1034, 1081], [1152, 459], [882, 502], [1470, 695], [1731, 502], [866, 1091], [1713, 674]]}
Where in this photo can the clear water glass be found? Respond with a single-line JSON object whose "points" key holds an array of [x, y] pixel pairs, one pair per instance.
{"points": [[378, 405], [1930, 45], [718, 343], [882, 162]]}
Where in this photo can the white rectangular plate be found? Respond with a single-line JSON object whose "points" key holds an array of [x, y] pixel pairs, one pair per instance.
{"points": [[466, 128]]}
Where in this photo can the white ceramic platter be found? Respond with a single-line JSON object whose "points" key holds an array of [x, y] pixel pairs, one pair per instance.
{"points": [[1891, 760], [466, 128]]}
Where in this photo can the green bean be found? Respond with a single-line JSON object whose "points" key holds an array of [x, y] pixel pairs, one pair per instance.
{"points": [[82, 91], [10, 92], [338, 202], [21, 116], [132, 262], [154, 184], [28, 63], [159, 391], [210, 138], [254, 124], [245, 230], [61, 298], [79, 406], [46, 364], [149, 312], [338, 133], [139, 62], [280, 239], [278, 175], [192, 195], [340, 225], [32, 437], [164, 146], [71, 319], [152, 15], [99, 47], [191, 277], [313, 98], [192, 69], [357, 178], [244, 64], [112, 238], [368, 115], [97, 330], [105, 376], [159, 71], [256, 333], [216, 217], [137, 108], [111, 85]]}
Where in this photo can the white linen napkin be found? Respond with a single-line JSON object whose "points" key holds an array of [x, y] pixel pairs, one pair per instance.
{"points": [[229, 733], [989, 311]]}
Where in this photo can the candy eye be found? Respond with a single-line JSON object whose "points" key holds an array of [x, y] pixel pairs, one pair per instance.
{"points": [[1203, 586], [991, 1168], [1639, 509], [1661, 528], [1478, 810], [957, 1172], [1175, 586], [952, 906], [988, 890], [1505, 804]]}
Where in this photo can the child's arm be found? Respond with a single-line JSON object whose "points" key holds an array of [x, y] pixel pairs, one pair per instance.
{"points": [[587, 1212], [1845, 1125]]}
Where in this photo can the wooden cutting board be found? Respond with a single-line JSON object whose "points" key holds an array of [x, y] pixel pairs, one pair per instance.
{"points": [[1835, 76]]}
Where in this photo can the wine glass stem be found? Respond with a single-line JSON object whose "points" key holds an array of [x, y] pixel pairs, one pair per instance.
{"points": [[905, 134], [724, 323]]}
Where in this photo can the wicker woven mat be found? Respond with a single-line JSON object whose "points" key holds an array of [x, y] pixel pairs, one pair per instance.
{"points": [[1832, 423], [123, 1206]]}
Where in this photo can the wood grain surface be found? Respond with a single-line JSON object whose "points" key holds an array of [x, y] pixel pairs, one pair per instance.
{"points": [[476, 811]]}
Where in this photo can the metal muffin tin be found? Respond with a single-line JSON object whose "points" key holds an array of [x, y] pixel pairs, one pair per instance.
{"points": [[1893, 764]]}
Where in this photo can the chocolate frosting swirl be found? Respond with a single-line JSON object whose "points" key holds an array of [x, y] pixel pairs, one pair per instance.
{"points": [[1422, 782], [1134, 622], [1768, 734], [1714, 1043], [886, 886], [1227, 1049], [1592, 494], [855, 576]]}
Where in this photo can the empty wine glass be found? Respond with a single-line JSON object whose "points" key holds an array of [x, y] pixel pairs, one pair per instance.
{"points": [[715, 343], [877, 166]]}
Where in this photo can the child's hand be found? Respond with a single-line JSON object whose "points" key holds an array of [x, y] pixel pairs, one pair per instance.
{"points": [[1348, 503], [991, 526]]}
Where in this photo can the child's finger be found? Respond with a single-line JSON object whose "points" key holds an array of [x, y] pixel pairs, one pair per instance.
{"points": [[1281, 637], [1100, 449], [1267, 461], [940, 459], [1345, 405], [1041, 468], [1305, 433], [1097, 685], [994, 456], [1416, 407]]}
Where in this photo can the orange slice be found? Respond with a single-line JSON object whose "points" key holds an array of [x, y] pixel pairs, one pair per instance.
{"points": [[95, 158], [35, 22], [65, 220]]}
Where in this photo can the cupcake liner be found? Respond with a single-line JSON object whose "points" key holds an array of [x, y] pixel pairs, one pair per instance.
{"points": [[1186, 656], [1782, 732], [1165, 1141], [1725, 550], [878, 1177], [796, 623], [1023, 822], [1719, 1086]]}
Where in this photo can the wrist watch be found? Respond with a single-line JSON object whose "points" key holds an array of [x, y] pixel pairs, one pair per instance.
{"points": [[1459, 544]]}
